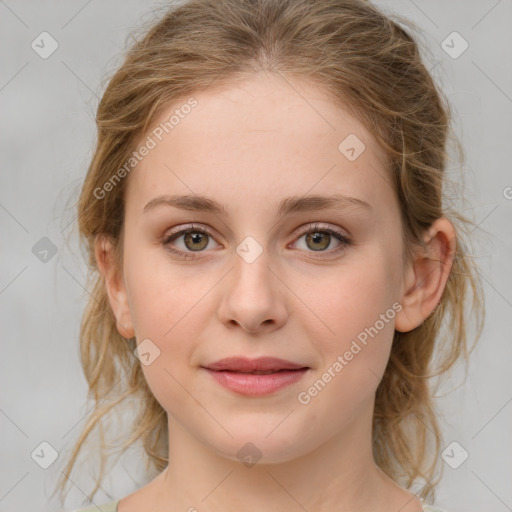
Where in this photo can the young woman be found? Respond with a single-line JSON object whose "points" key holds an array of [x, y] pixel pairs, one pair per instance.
{"points": [[273, 260]]}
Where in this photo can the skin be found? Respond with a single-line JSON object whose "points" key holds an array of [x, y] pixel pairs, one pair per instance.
{"points": [[248, 146]]}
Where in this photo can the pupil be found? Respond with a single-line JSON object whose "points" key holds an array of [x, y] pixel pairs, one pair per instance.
{"points": [[195, 239], [317, 238]]}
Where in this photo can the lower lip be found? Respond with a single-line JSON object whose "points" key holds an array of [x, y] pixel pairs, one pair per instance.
{"points": [[251, 384]]}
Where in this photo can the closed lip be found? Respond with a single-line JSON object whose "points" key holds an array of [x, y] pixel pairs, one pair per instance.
{"points": [[247, 365]]}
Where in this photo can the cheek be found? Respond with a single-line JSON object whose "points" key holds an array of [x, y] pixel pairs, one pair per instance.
{"points": [[167, 307], [352, 297], [357, 307], [161, 294], [342, 318]]}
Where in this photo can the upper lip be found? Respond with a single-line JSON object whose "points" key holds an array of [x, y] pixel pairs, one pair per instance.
{"points": [[244, 364]]}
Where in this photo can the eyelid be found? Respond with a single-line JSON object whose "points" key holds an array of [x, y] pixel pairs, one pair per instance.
{"points": [[306, 228], [299, 232], [311, 227], [182, 229]]}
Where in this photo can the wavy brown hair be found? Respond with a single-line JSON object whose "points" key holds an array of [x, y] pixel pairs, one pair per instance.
{"points": [[368, 63]]}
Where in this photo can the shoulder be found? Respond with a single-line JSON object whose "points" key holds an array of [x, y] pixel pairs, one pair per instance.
{"points": [[107, 507], [432, 508]]}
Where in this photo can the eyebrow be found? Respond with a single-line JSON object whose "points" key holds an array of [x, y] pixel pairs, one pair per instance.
{"points": [[286, 206]]}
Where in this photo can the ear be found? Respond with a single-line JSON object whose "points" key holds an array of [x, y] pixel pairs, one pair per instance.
{"points": [[426, 275], [104, 252]]}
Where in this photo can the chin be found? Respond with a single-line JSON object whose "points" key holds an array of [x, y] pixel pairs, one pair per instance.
{"points": [[255, 445]]}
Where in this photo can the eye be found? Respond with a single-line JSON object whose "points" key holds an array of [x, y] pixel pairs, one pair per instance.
{"points": [[195, 239], [318, 238]]}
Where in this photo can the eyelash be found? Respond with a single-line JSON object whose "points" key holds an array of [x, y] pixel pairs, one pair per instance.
{"points": [[304, 230]]}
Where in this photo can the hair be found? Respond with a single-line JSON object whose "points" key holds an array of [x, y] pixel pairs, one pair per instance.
{"points": [[371, 66]]}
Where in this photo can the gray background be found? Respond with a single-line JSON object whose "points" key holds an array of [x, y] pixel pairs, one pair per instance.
{"points": [[48, 132]]}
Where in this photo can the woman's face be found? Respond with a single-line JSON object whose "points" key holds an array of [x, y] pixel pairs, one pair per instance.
{"points": [[324, 298]]}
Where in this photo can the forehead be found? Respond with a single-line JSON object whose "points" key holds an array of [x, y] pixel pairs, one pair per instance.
{"points": [[260, 139]]}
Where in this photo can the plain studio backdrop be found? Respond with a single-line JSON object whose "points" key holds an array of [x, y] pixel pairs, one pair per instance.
{"points": [[49, 93]]}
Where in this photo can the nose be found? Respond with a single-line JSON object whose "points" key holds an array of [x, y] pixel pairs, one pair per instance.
{"points": [[253, 296]]}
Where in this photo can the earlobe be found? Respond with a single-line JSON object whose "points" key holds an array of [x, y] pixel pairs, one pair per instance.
{"points": [[104, 251], [427, 275]]}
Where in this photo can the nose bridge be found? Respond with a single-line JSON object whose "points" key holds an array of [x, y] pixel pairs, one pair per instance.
{"points": [[253, 297], [252, 275]]}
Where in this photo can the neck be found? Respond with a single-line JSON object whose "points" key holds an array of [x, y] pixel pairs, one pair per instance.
{"points": [[339, 475]]}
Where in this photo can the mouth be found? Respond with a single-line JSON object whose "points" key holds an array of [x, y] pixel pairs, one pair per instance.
{"points": [[255, 377], [260, 365], [261, 372]]}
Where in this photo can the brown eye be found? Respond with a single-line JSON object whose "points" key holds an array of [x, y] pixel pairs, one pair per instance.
{"points": [[185, 242], [318, 240], [195, 240]]}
